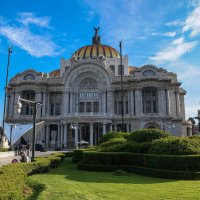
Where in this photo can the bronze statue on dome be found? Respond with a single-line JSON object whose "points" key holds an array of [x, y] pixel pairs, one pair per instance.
{"points": [[96, 39], [96, 30]]}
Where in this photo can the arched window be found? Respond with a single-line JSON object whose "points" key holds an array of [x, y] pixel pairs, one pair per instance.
{"points": [[148, 73], [29, 77], [150, 100]]}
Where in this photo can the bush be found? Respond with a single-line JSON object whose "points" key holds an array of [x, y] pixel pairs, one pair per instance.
{"points": [[112, 142], [175, 146], [143, 171], [147, 135], [111, 135], [164, 162], [133, 147], [13, 176]]}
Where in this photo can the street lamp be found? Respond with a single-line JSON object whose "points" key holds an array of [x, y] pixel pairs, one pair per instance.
{"points": [[34, 106], [76, 127], [122, 88]]}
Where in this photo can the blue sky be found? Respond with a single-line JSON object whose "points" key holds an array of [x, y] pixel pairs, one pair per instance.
{"points": [[158, 32]]}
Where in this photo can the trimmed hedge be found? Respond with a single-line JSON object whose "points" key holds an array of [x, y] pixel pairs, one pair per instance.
{"points": [[111, 135], [112, 142], [143, 171], [155, 161], [175, 146], [147, 135], [13, 176]]}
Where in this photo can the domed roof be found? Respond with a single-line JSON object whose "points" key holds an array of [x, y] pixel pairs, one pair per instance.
{"points": [[55, 74], [96, 49]]}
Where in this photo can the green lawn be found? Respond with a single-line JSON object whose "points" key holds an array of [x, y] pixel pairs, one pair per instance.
{"points": [[66, 182]]}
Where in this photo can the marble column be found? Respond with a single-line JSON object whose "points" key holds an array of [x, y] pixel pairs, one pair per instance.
{"points": [[58, 137], [111, 128], [104, 128], [65, 136], [91, 134], [115, 127], [168, 102], [138, 103], [177, 104], [76, 137], [61, 135], [44, 105], [65, 103], [47, 135]]}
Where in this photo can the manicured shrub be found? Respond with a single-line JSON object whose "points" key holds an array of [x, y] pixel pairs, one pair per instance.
{"points": [[175, 146], [111, 135], [147, 135], [13, 176], [155, 161], [133, 147], [112, 142], [77, 155]]}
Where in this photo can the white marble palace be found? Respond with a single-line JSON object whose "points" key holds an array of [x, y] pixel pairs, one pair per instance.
{"points": [[83, 99]]}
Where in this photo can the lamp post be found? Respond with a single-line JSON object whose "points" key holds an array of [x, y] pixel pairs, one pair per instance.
{"points": [[76, 127], [34, 106], [3, 139], [12, 126], [122, 86]]}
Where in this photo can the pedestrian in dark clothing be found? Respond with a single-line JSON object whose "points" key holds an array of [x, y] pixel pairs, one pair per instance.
{"points": [[16, 150], [24, 157]]}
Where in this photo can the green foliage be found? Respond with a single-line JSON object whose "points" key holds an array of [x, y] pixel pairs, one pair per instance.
{"points": [[112, 142], [159, 173], [4, 149], [175, 146], [111, 135], [119, 172], [147, 135], [155, 161], [13, 176]]}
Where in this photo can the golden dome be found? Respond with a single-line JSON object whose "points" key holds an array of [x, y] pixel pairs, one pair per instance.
{"points": [[96, 49], [54, 74]]}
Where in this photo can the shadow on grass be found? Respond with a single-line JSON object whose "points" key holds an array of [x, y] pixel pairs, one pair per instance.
{"points": [[37, 188], [70, 171]]}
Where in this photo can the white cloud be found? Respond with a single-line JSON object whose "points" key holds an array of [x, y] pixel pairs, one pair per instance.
{"points": [[192, 23], [35, 45], [174, 50], [176, 22], [27, 18], [170, 34]]}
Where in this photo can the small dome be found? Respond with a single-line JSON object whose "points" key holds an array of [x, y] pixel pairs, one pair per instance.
{"points": [[96, 49], [54, 74]]}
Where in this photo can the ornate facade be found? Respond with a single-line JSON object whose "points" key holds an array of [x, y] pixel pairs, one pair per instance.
{"points": [[83, 99]]}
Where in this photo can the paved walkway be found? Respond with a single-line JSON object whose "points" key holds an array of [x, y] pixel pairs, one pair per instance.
{"points": [[7, 157]]}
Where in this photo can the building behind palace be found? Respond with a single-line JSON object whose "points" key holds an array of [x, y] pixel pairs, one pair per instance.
{"points": [[83, 99]]}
